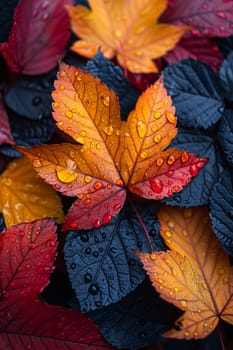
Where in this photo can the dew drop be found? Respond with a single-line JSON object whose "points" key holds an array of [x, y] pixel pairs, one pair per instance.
{"points": [[21, 234], [168, 233], [171, 159], [84, 237], [118, 33], [183, 303], [61, 87], [36, 100], [156, 185], [37, 163], [153, 256], [152, 233], [31, 245], [73, 266], [88, 251], [143, 154], [74, 225], [139, 244], [157, 115], [87, 278], [93, 289], [221, 15], [117, 207], [98, 185], [176, 289], [184, 232], [193, 170], [195, 334], [107, 218], [141, 128], [88, 179], [69, 114], [186, 334], [95, 254], [62, 74], [157, 138], [98, 146], [106, 101], [45, 16], [184, 157], [171, 118], [159, 161], [87, 201], [120, 183], [97, 223], [98, 303], [56, 105], [108, 130]]}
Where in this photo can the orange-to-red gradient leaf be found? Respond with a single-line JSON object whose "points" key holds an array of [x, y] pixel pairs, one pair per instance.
{"points": [[25, 196], [194, 275], [146, 168], [112, 155], [128, 30]]}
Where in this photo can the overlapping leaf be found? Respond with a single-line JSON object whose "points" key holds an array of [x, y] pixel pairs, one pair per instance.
{"points": [[38, 36], [114, 155], [26, 261], [128, 30], [195, 275], [25, 197]]}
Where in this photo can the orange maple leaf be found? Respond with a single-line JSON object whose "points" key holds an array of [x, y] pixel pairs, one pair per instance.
{"points": [[195, 275], [114, 155], [25, 196], [128, 30]]}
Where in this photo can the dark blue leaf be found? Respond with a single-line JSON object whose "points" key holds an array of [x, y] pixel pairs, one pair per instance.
{"points": [[101, 264], [225, 134], [31, 96], [9, 151], [221, 210], [226, 75], [6, 17], [225, 44], [2, 223], [28, 132], [112, 75], [137, 320], [197, 192], [196, 92]]}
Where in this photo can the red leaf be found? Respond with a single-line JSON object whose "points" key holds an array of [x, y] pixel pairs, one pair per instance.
{"points": [[197, 48], [208, 18], [38, 36], [95, 211], [5, 132], [26, 261]]}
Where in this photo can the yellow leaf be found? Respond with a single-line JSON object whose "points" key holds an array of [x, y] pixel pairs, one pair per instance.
{"points": [[25, 196], [195, 275], [128, 30]]}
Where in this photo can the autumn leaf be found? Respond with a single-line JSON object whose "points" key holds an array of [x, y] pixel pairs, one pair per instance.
{"points": [[25, 197], [113, 155], [195, 274], [26, 260], [38, 36], [128, 30]]}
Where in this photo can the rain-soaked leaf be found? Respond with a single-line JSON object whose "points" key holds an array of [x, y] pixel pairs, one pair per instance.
{"points": [[112, 76], [207, 18], [128, 30], [221, 210], [5, 131], [196, 92], [26, 261], [114, 155], [101, 265], [31, 96], [198, 191], [38, 36], [225, 134], [194, 275], [25, 197]]}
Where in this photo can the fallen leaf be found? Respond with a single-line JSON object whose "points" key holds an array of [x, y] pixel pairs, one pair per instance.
{"points": [[128, 30], [26, 261], [38, 36], [25, 197], [114, 155], [195, 274]]}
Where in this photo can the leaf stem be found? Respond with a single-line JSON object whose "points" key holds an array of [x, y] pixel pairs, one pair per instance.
{"points": [[142, 225], [219, 329]]}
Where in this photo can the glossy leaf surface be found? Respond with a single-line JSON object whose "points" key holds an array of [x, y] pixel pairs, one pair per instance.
{"points": [[38, 36], [114, 155], [25, 197], [101, 266], [128, 30], [26, 261], [194, 275], [197, 93]]}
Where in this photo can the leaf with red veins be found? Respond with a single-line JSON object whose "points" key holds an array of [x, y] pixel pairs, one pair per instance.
{"points": [[208, 18], [5, 131], [203, 49], [27, 254], [96, 210], [170, 172], [38, 36]]}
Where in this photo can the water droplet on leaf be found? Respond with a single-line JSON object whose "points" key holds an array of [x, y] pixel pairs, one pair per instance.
{"points": [[156, 185], [93, 289]]}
